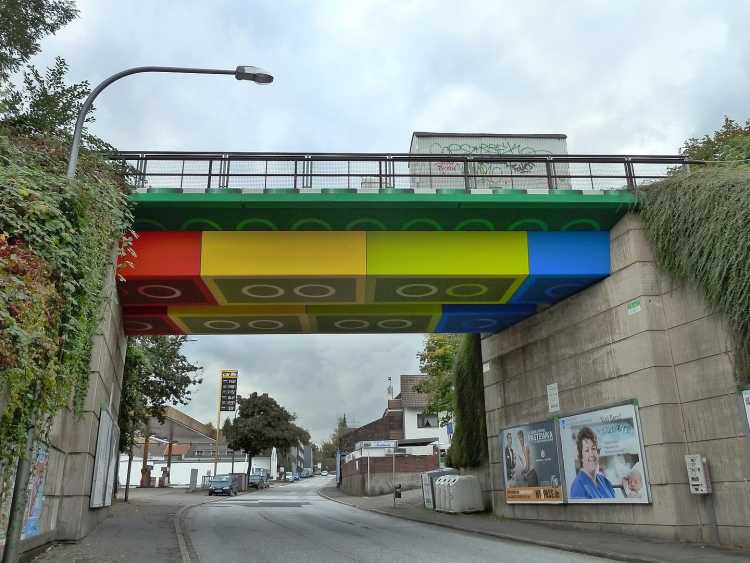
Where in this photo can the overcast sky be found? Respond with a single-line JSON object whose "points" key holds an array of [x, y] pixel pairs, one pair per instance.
{"points": [[616, 77]]}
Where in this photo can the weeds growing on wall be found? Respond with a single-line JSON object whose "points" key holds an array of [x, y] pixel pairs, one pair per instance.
{"points": [[57, 237], [469, 443], [699, 225]]}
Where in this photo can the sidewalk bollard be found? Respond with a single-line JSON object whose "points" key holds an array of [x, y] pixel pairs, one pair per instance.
{"points": [[396, 493]]}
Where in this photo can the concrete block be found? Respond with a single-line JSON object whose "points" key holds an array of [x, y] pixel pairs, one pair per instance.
{"points": [[661, 424], [512, 364], [72, 520], [732, 503], [97, 394], [630, 247], [706, 377], [698, 339], [591, 333], [666, 464], [496, 476], [629, 222], [643, 350], [537, 354], [492, 375], [594, 365], [651, 386], [623, 324], [683, 304], [82, 432], [727, 458], [734, 536], [79, 470], [55, 468], [493, 399], [672, 505], [637, 280], [715, 418]]}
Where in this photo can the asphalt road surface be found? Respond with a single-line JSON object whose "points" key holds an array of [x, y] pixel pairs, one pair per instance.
{"points": [[293, 523]]}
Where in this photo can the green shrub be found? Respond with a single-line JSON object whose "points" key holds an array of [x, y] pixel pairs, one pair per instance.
{"points": [[699, 225], [57, 237]]}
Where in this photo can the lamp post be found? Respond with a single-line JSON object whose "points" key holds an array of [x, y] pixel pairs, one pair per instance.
{"points": [[254, 74]]}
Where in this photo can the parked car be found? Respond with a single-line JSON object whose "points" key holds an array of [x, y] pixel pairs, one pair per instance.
{"points": [[295, 475], [257, 480], [289, 477], [222, 485], [324, 473]]}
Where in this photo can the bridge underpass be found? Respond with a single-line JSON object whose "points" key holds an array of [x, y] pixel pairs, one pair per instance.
{"points": [[268, 244]]}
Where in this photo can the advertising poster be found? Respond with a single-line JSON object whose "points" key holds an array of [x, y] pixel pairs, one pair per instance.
{"points": [[746, 401], [531, 466], [602, 457]]}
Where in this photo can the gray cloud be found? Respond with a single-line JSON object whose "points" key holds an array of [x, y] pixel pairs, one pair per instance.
{"points": [[629, 77]]}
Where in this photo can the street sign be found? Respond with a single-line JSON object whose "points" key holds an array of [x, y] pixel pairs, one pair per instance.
{"points": [[228, 398]]}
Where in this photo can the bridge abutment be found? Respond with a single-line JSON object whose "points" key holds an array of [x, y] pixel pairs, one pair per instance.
{"points": [[637, 335]]}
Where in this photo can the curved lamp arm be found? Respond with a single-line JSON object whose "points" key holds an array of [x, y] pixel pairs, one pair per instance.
{"points": [[252, 73]]}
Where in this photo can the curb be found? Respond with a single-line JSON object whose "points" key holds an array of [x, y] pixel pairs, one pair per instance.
{"points": [[506, 536]]}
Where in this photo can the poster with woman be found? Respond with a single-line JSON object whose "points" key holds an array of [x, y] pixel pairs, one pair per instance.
{"points": [[531, 465], [603, 457]]}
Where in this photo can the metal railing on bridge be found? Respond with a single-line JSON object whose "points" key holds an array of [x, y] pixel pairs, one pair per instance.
{"points": [[189, 172]]}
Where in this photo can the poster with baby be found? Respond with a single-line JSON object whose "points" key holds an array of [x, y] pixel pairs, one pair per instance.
{"points": [[602, 457], [531, 465]]}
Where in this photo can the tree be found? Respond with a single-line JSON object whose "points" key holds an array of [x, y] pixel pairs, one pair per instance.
{"points": [[469, 444], [730, 143], [436, 360], [156, 374], [262, 424], [24, 24]]}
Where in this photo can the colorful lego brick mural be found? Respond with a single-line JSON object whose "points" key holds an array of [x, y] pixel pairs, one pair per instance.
{"points": [[242, 282]]}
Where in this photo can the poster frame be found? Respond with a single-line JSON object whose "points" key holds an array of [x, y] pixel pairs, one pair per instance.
{"points": [[744, 393], [558, 453], [642, 449]]}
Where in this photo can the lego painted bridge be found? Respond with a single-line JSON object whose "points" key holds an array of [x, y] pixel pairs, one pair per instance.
{"points": [[250, 243]]}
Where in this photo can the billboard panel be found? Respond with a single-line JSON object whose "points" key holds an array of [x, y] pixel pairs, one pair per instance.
{"points": [[531, 464], [602, 457]]}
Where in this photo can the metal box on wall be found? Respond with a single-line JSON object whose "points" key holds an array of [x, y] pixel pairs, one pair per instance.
{"points": [[521, 174]]}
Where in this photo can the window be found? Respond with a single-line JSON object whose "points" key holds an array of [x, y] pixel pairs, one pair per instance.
{"points": [[427, 420]]}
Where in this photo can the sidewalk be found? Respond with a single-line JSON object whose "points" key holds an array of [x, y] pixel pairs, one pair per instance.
{"points": [[141, 530], [603, 544]]}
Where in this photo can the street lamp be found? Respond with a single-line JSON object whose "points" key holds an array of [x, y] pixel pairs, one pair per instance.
{"points": [[252, 73]]}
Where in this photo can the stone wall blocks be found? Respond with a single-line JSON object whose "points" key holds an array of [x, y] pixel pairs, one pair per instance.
{"points": [[632, 246], [671, 505], [736, 536], [706, 377], [683, 304], [623, 324], [79, 468], [661, 424], [666, 464], [732, 503], [727, 458], [698, 339], [641, 351], [629, 222], [715, 418]]}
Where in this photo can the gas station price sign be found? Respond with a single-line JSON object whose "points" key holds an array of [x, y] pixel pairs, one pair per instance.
{"points": [[228, 399]]}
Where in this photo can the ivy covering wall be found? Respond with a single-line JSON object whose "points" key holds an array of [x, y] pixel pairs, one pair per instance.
{"points": [[57, 237], [699, 226]]}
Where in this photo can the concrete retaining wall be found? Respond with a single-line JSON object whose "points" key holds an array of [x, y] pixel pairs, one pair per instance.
{"points": [[72, 439], [674, 357]]}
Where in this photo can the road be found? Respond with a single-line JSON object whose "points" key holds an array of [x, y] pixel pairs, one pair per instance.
{"points": [[292, 523]]}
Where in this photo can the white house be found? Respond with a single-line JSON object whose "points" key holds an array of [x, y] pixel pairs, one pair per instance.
{"points": [[416, 423]]}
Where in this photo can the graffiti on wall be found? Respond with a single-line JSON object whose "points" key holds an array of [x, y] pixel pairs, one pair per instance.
{"points": [[32, 525]]}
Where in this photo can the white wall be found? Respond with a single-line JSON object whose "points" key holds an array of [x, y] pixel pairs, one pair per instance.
{"points": [[180, 470], [411, 431]]}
